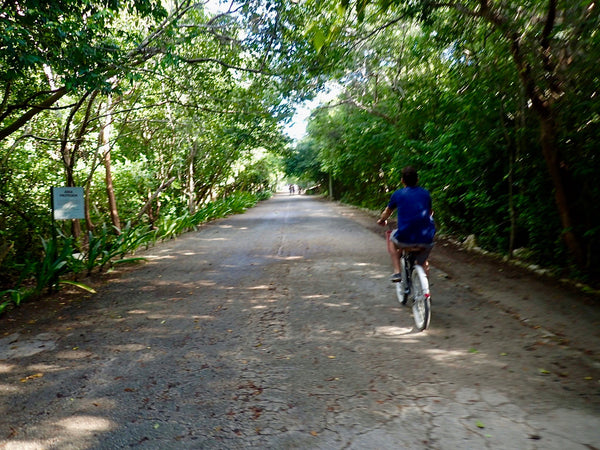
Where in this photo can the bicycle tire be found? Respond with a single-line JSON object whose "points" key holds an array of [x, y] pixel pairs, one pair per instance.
{"points": [[401, 287], [421, 298], [401, 293]]}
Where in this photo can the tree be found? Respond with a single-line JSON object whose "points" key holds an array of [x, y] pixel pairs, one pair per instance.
{"points": [[176, 88], [543, 38], [52, 48]]}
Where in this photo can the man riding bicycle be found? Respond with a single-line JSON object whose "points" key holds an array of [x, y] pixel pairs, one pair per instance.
{"points": [[415, 221]]}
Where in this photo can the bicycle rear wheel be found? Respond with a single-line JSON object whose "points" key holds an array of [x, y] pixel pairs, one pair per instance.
{"points": [[421, 298]]}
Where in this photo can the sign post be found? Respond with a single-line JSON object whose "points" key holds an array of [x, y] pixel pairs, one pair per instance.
{"points": [[67, 203]]}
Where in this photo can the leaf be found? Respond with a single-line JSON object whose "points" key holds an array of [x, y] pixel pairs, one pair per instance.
{"points": [[128, 260], [314, 433], [85, 287], [31, 377], [479, 424], [319, 40], [544, 372]]}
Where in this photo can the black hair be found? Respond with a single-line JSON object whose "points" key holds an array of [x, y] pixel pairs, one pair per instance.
{"points": [[410, 176]]}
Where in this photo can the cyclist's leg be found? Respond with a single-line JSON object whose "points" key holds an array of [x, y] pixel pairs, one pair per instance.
{"points": [[396, 259], [395, 252], [422, 257]]}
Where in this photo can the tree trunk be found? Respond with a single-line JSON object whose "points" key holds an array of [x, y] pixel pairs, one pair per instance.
{"points": [[105, 145], [510, 179], [191, 188], [89, 225], [69, 153], [561, 197], [110, 192]]}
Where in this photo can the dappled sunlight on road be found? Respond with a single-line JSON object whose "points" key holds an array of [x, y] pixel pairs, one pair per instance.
{"points": [[337, 305], [127, 347], [447, 356], [281, 257], [260, 287], [160, 258], [27, 445], [5, 368], [6, 388], [137, 311], [80, 427], [74, 353], [395, 332], [85, 424]]}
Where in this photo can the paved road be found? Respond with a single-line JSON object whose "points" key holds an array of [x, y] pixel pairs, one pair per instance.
{"points": [[278, 329]]}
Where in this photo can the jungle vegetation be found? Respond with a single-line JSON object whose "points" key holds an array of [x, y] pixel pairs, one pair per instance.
{"points": [[171, 113], [496, 104]]}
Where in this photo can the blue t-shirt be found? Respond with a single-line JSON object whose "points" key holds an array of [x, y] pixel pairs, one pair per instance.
{"points": [[415, 223]]}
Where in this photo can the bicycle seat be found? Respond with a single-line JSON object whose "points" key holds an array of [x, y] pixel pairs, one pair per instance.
{"points": [[414, 248]]}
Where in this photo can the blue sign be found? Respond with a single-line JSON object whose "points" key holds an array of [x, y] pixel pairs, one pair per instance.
{"points": [[68, 203]]}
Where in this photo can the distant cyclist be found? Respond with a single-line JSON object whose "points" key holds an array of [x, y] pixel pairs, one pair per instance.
{"points": [[415, 221]]}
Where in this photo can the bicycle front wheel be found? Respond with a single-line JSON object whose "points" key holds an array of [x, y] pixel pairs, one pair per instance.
{"points": [[421, 298], [402, 286], [401, 293]]}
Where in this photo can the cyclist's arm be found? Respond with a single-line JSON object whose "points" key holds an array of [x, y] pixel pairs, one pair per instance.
{"points": [[387, 212]]}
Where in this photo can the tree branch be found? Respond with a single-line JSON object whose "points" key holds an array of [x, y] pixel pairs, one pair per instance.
{"points": [[27, 116], [549, 25], [223, 63], [161, 188]]}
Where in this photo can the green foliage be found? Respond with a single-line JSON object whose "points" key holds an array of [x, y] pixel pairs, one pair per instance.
{"points": [[53, 265], [72, 37], [442, 93], [11, 297], [179, 115], [111, 246], [105, 247], [172, 226], [258, 176]]}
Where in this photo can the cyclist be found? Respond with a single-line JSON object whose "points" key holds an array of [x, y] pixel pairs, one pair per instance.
{"points": [[415, 221]]}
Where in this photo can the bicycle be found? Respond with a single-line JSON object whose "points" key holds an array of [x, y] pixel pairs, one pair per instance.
{"points": [[414, 287]]}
